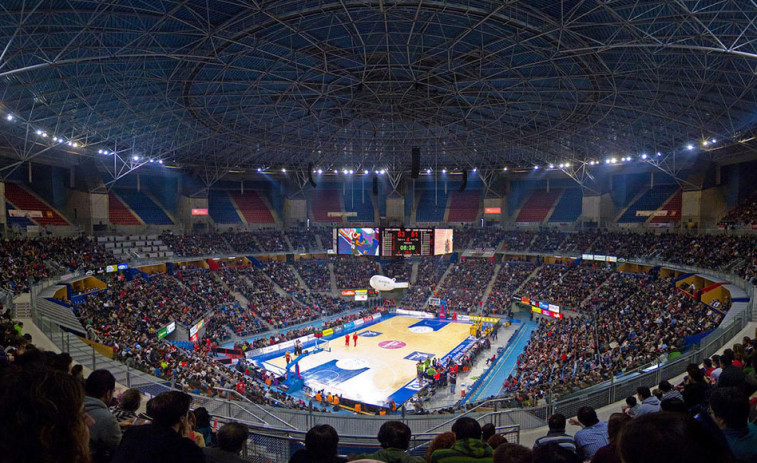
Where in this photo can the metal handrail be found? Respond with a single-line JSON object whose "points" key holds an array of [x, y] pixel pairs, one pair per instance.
{"points": [[245, 399]]}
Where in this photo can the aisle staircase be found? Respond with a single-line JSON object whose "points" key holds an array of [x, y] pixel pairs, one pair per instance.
{"points": [[489, 286]]}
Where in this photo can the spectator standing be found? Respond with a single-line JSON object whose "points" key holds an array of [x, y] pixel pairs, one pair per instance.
{"points": [[231, 440], [163, 440], [468, 447], [556, 434], [594, 434], [105, 433]]}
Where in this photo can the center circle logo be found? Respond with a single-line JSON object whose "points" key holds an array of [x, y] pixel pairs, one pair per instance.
{"points": [[392, 344]]}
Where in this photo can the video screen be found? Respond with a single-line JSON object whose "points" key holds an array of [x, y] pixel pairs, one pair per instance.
{"points": [[358, 241], [442, 241]]}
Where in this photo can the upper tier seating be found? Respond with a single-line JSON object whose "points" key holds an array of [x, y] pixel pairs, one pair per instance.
{"points": [[673, 208], [139, 246], [144, 207], [22, 222], [538, 206], [221, 208], [431, 206], [119, 214], [252, 207], [363, 205], [569, 206], [324, 201], [651, 200], [464, 206], [744, 213], [26, 201]]}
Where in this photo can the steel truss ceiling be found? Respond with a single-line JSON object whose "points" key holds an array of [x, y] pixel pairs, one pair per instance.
{"points": [[230, 85]]}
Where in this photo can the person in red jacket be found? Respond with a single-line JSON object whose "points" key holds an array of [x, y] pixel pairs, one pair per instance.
{"points": [[347, 340], [354, 339]]}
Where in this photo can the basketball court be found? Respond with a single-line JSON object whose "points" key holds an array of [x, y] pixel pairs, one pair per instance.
{"points": [[382, 367]]}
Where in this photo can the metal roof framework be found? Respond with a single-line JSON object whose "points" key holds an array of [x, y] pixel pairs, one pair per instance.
{"points": [[237, 85]]}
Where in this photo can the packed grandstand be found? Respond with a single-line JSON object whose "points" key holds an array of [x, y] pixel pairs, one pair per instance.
{"points": [[273, 296], [456, 231]]}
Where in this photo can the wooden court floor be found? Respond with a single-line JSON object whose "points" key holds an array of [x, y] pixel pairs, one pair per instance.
{"points": [[384, 360]]}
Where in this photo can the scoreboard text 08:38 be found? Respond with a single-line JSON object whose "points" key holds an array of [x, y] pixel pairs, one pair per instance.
{"points": [[407, 242]]}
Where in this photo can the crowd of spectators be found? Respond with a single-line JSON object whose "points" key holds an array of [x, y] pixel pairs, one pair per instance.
{"points": [[400, 269], [315, 274], [430, 271], [464, 286], [745, 213], [351, 273], [487, 238], [517, 240], [511, 275], [196, 244], [304, 240], [567, 286], [30, 260], [241, 241], [283, 275], [271, 241], [651, 321]]}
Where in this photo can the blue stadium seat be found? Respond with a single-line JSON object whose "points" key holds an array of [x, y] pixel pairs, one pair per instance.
{"points": [[568, 208], [364, 208], [429, 209], [651, 200], [221, 209], [144, 207]]}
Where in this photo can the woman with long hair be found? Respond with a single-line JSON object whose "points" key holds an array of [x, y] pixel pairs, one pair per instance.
{"points": [[43, 418]]}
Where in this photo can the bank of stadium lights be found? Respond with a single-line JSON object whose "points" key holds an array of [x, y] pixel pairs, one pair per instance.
{"points": [[428, 171], [690, 147], [74, 144], [475, 169], [283, 170], [444, 171]]}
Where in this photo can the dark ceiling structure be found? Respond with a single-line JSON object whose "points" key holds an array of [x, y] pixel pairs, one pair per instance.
{"points": [[238, 85]]}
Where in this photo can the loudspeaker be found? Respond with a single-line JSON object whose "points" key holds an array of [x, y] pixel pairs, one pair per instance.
{"points": [[375, 185], [310, 175], [465, 180], [415, 166]]}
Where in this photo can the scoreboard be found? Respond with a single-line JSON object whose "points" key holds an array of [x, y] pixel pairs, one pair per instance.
{"points": [[393, 242], [397, 242]]}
